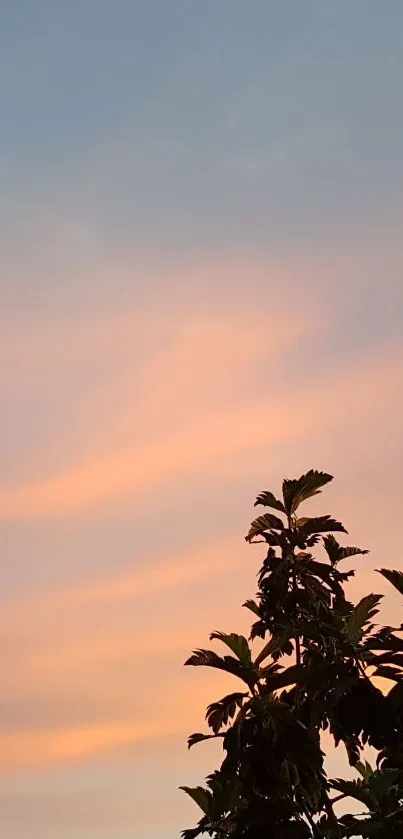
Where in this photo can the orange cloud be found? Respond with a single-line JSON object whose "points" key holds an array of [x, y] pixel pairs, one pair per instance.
{"points": [[171, 390], [71, 673], [135, 470], [212, 561], [65, 639], [118, 726], [78, 671], [20, 749], [190, 449]]}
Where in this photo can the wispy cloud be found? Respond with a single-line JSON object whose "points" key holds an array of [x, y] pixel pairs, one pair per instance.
{"points": [[66, 662], [264, 422], [192, 567], [140, 399], [49, 746]]}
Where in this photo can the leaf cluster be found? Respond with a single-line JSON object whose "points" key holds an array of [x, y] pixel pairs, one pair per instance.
{"points": [[314, 672]]}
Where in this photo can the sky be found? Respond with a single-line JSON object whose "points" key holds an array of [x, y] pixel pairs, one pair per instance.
{"points": [[201, 292]]}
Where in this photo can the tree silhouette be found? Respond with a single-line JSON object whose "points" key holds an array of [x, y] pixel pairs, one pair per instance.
{"points": [[313, 673]]}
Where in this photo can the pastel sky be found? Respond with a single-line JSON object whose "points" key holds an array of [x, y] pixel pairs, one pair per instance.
{"points": [[201, 255]]}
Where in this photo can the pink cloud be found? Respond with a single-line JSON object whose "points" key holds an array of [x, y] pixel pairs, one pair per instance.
{"points": [[134, 469]]}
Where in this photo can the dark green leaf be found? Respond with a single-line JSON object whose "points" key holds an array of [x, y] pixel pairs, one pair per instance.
{"points": [[192, 833], [198, 738], [299, 490], [365, 769], [335, 551], [252, 606], [238, 644], [266, 522], [387, 658], [219, 713], [345, 553], [275, 644], [352, 789], [208, 658], [380, 783], [200, 796], [386, 672], [321, 524], [394, 577], [267, 499], [291, 676], [360, 616]]}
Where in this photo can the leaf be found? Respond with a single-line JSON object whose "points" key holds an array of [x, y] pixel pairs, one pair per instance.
{"points": [[297, 491], [380, 783], [238, 644], [274, 645], [360, 616], [387, 672], [387, 658], [352, 789], [320, 524], [394, 700], [385, 639], [219, 713], [312, 566], [208, 658], [273, 538], [198, 738], [252, 606], [266, 522], [365, 769], [345, 553], [200, 796], [394, 577], [295, 674], [205, 658], [335, 551], [294, 830], [192, 833], [267, 499]]}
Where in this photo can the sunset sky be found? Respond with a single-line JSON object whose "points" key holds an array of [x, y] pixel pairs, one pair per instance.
{"points": [[202, 291]]}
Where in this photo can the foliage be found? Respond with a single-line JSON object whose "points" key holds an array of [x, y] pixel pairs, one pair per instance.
{"points": [[314, 673]]}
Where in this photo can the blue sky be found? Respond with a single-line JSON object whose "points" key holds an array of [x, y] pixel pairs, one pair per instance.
{"points": [[201, 212], [203, 120]]}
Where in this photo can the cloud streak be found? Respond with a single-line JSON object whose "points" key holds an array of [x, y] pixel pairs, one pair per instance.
{"points": [[264, 423]]}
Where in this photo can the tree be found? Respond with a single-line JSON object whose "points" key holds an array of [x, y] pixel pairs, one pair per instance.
{"points": [[313, 672]]}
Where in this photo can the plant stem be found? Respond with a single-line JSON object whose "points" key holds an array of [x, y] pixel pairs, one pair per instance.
{"points": [[313, 826], [294, 589], [331, 814], [297, 638]]}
